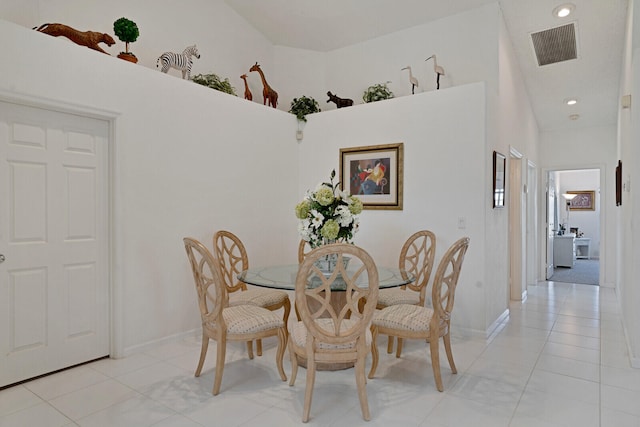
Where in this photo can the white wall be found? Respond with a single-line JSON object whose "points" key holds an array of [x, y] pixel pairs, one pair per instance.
{"points": [[187, 161], [298, 72], [464, 44], [629, 292], [441, 157], [228, 45], [516, 128], [629, 152], [518, 125]]}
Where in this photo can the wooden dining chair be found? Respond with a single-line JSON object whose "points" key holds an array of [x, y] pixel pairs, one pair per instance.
{"points": [[333, 329], [233, 259], [223, 323], [416, 257], [419, 322], [303, 248]]}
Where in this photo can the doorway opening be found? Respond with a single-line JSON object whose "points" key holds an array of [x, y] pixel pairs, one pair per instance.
{"points": [[574, 218]]}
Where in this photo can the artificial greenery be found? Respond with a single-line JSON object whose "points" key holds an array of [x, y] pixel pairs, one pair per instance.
{"points": [[127, 31], [214, 82], [328, 214], [377, 92], [303, 106]]}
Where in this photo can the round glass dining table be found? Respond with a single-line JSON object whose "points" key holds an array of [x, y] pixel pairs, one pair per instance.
{"points": [[284, 277]]}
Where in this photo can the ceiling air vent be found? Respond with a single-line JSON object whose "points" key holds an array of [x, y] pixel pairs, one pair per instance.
{"points": [[555, 45]]}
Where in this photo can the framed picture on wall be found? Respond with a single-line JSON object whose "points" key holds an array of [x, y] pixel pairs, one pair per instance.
{"points": [[619, 183], [499, 168], [374, 173], [584, 201]]}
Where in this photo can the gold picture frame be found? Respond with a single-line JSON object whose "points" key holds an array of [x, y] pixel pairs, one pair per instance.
{"points": [[584, 201], [374, 174]]}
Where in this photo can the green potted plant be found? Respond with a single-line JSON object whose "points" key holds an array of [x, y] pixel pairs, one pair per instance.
{"points": [[377, 92], [214, 82], [303, 106], [127, 31]]}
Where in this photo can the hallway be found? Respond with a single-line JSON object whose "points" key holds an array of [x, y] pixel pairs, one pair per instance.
{"points": [[558, 360]]}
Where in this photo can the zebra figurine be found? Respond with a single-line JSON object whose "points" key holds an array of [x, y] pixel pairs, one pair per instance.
{"points": [[180, 61]]}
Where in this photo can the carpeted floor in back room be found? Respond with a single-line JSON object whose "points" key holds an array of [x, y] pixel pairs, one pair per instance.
{"points": [[584, 271]]}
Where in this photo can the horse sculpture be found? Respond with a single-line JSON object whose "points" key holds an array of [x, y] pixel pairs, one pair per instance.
{"points": [[89, 39], [340, 102], [181, 61]]}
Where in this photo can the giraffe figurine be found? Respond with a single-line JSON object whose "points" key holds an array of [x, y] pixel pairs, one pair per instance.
{"points": [[267, 92], [247, 92]]}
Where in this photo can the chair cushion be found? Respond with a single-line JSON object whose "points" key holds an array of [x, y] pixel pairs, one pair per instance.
{"points": [[299, 334], [395, 296], [258, 297], [248, 319], [403, 317]]}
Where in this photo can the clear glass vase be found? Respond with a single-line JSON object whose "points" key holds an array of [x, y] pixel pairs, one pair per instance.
{"points": [[328, 263]]}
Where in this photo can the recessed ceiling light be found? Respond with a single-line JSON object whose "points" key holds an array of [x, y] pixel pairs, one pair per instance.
{"points": [[574, 116], [571, 101], [563, 10]]}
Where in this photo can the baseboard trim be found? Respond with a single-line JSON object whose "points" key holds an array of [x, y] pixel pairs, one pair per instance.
{"points": [[149, 345], [492, 329]]}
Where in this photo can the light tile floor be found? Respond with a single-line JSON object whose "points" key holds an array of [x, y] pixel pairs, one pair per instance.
{"points": [[559, 360]]}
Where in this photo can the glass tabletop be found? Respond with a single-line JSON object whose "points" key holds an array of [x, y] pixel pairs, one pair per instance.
{"points": [[284, 277]]}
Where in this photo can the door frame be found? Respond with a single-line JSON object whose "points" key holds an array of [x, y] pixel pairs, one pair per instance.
{"points": [[116, 308], [531, 244], [601, 167], [517, 227]]}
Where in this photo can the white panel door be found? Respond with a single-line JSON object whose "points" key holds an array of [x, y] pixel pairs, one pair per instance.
{"points": [[54, 284]]}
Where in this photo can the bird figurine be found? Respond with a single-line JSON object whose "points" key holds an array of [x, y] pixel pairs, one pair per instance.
{"points": [[412, 80], [438, 70]]}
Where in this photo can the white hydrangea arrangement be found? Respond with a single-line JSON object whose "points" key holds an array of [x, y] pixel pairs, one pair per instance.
{"points": [[328, 214]]}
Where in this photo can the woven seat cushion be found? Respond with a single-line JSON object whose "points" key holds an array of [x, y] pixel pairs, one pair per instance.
{"points": [[248, 319], [403, 317], [396, 296], [299, 334], [258, 297]]}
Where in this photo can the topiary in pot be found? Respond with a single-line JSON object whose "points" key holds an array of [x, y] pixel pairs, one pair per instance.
{"points": [[303, 106], [127, 31], [214, 82], [377, 92]]}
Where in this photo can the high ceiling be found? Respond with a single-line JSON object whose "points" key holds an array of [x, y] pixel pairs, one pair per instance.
{"points": [[592, 78]]}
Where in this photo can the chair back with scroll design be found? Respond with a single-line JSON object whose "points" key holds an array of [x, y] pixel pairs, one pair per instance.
{"points": [[416, 257], [302, 250], [444, 286], [233, 259], [334, 326], [206, 276]]}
